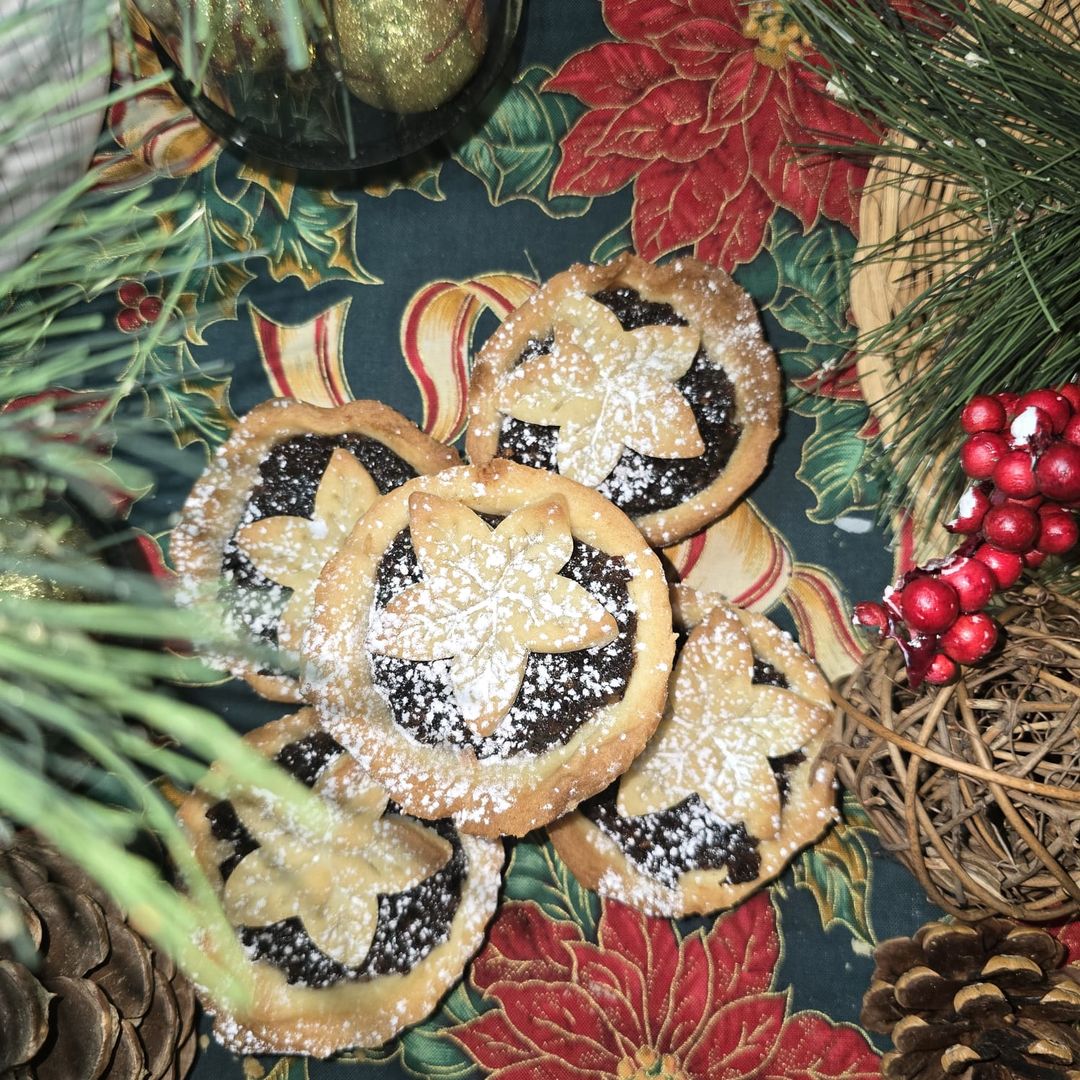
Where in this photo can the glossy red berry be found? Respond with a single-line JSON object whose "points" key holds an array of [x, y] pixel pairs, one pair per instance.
{"points": [[929, 604], [1056, 407], [1008, 402], [973, 581], [970, 511], [871, 616], [1058, 472], [1071, 434], [1030, 425], [1034, 558], [982, 413], [131, 292], [1071, 393], [1059, 533], [1014, 474], [150, 308], [129, 320], [1011, 527], [941, 671], [1006, 566], [981, 453], [970, 638]]}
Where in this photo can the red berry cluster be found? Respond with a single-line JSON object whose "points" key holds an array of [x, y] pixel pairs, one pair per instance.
{"points": [[138, 307], [1023, 454]]}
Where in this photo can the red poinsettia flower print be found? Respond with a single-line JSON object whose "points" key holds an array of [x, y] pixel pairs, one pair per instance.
{"points": [[641, 1002], [707, 106]]}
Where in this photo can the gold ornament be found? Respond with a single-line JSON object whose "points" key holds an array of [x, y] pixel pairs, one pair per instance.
{"points": [[409, 56]]}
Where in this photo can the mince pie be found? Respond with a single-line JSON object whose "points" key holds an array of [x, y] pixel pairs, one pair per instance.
{"points": [[351, 934], [274, 504], [728, 789], [493, 644], [652, 384]]}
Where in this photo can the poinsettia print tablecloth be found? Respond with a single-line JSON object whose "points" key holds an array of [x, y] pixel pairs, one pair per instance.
{"points": [[666, 126]]}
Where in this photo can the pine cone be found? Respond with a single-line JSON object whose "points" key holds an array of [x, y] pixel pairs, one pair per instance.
{"points": [[986, 1001], [99, 1003]]}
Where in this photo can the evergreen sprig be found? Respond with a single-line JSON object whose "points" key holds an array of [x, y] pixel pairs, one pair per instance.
{"points": [[987, 95], [88, 719]]}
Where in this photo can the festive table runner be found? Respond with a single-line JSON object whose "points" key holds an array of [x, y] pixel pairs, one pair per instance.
{"points": [[666, 126]]}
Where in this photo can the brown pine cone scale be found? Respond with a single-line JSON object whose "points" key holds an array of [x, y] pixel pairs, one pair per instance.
{"points": [[987, 1001]]}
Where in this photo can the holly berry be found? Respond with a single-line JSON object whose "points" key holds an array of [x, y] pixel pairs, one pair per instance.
{"points": [[871, 616], [1008, 402], [941, 671], [981, 453], [150, 308], [1011, 527], [129, 320], [970, 511], [929, 604], [973, 581], [970, 638], [1071, 393], [1031, 424], [1015, 475], [1056, 407], [1033, 559], [1059, 533], [1006, 566], [131, 292], [982, 413], [1058, 471], [1071, 434]]}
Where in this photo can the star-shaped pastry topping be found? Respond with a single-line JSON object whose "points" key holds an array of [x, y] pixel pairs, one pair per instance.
{"points": [[332, 882], [718, 733], [489, 597], [293, 550], [605, 389]]}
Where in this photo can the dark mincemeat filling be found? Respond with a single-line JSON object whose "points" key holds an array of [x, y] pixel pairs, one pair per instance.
{"points": [[689, 836], [289, 477], [410, 923], [640, 484], [559, 692]]}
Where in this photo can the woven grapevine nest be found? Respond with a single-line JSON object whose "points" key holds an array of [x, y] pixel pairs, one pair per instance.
{"points": [[975, 787]]}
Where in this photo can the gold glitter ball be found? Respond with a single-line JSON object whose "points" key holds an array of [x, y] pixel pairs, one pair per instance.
{"points": [[409, 57]]}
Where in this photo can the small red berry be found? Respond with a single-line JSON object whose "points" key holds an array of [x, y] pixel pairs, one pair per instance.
{"points": [[871, 616], [970, 511], [982, 413], [973, 581], [1059, 533], [1071, 434], [1071, 393], [1008, 402], [1015, 475], [1011, 527], [129, 320], [1058, 472], [929, 604], [941, 671], [1033, 559], [1006, 566], [970, 638], [131, 292], [1030, 424], [1052, 403], [150, 308], [981, 453]]}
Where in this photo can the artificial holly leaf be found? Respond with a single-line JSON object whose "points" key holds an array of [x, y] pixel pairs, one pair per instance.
{"points": [[516, 150]]}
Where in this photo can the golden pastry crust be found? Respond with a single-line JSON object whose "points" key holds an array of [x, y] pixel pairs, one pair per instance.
{"points": [[715, 307], [597, 859], [214, 510], [284, 1019], [492, 796]]}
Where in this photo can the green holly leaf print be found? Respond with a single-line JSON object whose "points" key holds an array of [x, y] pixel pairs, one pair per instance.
{"points": [[517, 148], [195, 402], [424, 1050], [620, 239], [832, 467], [419, 172], [837, 873], [537, 873]]}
